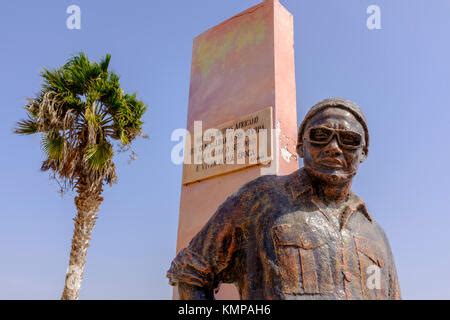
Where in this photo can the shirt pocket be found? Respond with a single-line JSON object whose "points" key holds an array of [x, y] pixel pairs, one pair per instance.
{"points": [[303, 261], [371, 267]]}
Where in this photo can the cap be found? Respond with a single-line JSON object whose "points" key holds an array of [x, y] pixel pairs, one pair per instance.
{"points": [[336, 103]]}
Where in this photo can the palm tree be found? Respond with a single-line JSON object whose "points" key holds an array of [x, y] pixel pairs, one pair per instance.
{"points": [[82, 114]]}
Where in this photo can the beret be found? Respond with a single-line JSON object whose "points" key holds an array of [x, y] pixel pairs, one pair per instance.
{"points": [[336, 103]]}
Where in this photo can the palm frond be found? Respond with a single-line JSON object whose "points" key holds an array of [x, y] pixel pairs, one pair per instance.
{"points": [[99, 156], [83, 112], [27, 127], [104, 64], [53, 145]]}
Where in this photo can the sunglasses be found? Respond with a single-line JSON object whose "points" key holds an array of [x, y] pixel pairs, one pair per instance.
{"points": [[323, 135]]}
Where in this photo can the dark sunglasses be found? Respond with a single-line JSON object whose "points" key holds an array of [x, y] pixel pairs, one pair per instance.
{"points": [[323, 135]]}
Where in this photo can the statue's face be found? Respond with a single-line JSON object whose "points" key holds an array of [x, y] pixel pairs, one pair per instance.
{"points": [[333, 145]]}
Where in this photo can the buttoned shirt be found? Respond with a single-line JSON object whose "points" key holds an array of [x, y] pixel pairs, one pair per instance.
{"points": [[275, 239]]}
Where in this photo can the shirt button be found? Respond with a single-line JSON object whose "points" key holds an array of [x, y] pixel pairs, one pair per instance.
{"points": [[347, 275]]}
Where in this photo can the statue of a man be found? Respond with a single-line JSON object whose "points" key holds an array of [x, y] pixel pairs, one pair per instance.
{"points": [[301, 236]]}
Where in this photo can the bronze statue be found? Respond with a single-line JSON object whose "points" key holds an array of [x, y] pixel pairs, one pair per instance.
{"points": [[301, 236]]}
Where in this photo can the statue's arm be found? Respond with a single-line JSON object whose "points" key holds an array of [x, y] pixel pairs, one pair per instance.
{"points": [[394, 285], [209, 258], [190, 292]]}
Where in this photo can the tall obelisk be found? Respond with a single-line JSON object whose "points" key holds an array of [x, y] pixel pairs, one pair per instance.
{"points": [[243, 66]]}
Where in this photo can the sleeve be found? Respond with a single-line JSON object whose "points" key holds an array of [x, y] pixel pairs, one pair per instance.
{"points": [[394, 285], [209, 257]]}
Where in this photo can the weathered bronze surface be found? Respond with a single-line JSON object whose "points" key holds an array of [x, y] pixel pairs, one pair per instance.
{"points": [[301, 236]]}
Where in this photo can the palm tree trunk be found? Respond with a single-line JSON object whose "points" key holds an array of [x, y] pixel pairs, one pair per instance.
{"points": [[87, 203]]}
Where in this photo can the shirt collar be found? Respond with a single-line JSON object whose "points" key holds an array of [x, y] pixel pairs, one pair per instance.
{"points": [[354, 204], [301, 185]]}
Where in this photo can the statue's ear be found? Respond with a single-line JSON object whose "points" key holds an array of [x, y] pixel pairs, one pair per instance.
{"points": [[363, 156], [300, 150]]}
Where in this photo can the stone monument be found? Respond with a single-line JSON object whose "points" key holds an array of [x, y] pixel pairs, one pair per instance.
{"points": [[242, 70]]}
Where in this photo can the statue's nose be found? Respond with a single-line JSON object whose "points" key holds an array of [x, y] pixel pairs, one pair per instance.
{"points": [[332, 148]]}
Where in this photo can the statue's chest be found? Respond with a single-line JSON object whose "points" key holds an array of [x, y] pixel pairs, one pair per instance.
{"points": [[313, 255]]}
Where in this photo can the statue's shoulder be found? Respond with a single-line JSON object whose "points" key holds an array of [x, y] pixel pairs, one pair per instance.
{"points": [[380, 231], [264, 185], [373, 228], [268, 190], [254, 190]]}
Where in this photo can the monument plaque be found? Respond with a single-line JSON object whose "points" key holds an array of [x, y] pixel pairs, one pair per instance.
{"points": [[253, 130]]}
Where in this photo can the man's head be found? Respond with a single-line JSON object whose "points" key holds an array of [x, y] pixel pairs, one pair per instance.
{"points": [[333, 140]]}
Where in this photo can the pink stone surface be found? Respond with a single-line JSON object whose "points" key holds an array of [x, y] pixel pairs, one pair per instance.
{"points": [[240, 66]]}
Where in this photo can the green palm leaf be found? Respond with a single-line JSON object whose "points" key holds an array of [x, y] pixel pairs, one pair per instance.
{"points": [[99, 156], [83, 112], [53, 145]]}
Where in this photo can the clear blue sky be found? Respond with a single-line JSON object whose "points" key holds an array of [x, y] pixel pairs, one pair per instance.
{"points": [[399, 75]]}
